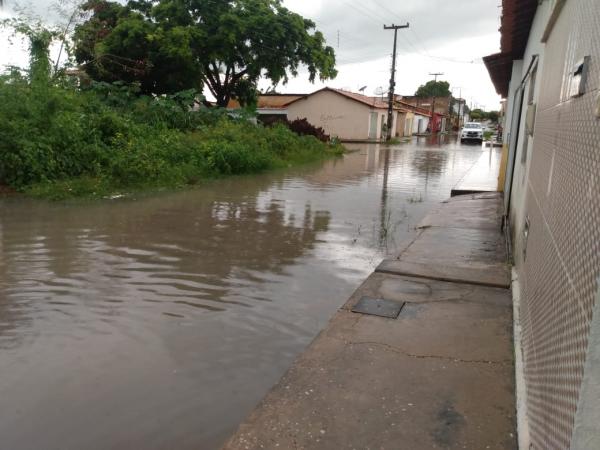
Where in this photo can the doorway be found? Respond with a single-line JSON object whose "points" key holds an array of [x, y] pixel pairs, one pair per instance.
{"points": [[373, 126]]}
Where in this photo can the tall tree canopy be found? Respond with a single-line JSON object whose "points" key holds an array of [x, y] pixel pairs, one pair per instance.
{"points": [[434, 89], [226, 45]]}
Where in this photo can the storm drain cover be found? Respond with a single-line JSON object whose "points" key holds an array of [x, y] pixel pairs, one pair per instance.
{"points": [[378, 307]]}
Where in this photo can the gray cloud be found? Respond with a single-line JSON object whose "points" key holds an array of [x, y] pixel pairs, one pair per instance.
{"points": [[447, 36], [432, 24]]}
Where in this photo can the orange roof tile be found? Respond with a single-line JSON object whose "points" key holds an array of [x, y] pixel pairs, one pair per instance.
{"points": [[276, 100]]}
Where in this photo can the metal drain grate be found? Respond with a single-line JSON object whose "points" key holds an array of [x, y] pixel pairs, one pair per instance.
{"points": [[378, 307]]}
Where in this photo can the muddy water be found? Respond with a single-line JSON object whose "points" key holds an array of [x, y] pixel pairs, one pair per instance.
{"points": [[159, 322]]}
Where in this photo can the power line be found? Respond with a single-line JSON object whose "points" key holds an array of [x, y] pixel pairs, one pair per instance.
{"points": [[364, 11], [362, 60]]}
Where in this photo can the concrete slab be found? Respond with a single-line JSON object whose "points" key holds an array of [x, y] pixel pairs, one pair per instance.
{"points": [[440, 376], [491, 275], [477, 213], [483, 176], [381, 307], [458, 247], [421, 290]]}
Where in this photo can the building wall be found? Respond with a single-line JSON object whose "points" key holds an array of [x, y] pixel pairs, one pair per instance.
{"points": [[533, 52], [400, 123], [424, 123], [337, 115], [557, 254], [442, 104], [408, 124]]}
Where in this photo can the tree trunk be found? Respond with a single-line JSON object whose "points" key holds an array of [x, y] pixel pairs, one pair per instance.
{"points": [[223, 100]]}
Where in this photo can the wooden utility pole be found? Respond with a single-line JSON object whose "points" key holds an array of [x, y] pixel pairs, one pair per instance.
{"points": [[459, 105], [433, 103], [390, 121]]}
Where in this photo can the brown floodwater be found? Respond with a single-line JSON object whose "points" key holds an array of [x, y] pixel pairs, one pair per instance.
{"points": [[160, 321]]}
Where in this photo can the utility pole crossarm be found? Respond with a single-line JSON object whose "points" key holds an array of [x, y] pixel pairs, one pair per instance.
{"points": [[390, 121], [395, 27], [436, 75]]}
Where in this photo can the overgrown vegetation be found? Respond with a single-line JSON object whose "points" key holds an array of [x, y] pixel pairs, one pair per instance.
{"points": [[58, 141], [60, 138], [301, 127]]}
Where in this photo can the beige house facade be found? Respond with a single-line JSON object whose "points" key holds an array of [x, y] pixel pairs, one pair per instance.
{"points": [[346, 115]]}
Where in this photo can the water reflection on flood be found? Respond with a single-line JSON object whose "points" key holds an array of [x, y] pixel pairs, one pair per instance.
{"points": [[159, 322]]}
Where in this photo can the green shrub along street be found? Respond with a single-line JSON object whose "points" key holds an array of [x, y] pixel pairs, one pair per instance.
{"points": [[58, 141], [67, 135]]}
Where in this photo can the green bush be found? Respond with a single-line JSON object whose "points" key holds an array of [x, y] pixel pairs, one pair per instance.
{"points": [[58, 141]]}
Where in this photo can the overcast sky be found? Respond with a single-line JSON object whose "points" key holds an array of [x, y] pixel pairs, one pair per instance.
{"points": [[448, 36]]}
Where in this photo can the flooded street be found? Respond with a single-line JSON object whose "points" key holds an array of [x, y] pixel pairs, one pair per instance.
{"points": [[160, 322]]}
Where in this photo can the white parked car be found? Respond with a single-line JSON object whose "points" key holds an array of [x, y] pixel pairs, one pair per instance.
{"points": [[472, 131]]}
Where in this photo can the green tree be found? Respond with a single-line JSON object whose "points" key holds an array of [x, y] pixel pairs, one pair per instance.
{"points": [[123, 43], [478, 114], [226, 45], [493, 116], [434, 89]]}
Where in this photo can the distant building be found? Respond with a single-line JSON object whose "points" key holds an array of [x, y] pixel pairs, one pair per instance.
{"points": [[441, 108], [548, 70], [270, 108], [350, 116], [274, 106]]}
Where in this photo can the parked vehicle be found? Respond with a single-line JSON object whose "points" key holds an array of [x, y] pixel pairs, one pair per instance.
{"points": [[472, 131]]}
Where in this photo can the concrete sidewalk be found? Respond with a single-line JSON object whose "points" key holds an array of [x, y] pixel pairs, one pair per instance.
{"points": [[440, 375], [483, 176]]}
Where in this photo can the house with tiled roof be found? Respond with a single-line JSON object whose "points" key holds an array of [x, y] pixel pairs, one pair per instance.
{"points": [[351, 116]]}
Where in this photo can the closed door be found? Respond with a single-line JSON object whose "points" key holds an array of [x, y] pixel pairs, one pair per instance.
{"points": [[373, 126]]}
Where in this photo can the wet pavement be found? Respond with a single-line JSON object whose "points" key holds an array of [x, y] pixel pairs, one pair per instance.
{"points": [[483, 176], [440, 375], [160, 321]]}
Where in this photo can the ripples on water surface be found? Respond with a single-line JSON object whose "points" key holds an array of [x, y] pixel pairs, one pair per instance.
{"points": [[159, 322]]}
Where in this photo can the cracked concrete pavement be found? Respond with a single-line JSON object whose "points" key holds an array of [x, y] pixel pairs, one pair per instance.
{"points": [[438, 376]]}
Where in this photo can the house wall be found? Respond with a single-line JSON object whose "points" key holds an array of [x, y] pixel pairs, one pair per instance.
{"points": [[383, 120], [556, 190], [408, 124], [337, 115], [522, 154], [424, 124], [400, 123]]}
